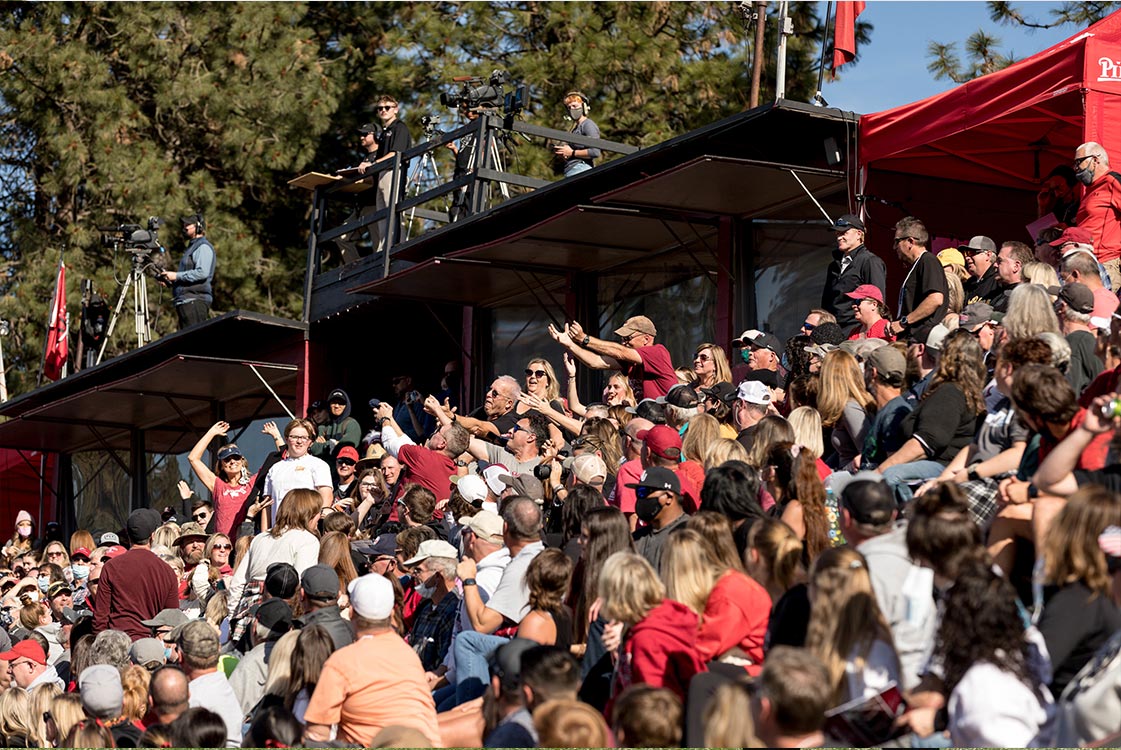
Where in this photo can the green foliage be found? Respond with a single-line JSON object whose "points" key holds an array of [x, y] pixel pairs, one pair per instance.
{"points": [[113, 112], [982, 50]]}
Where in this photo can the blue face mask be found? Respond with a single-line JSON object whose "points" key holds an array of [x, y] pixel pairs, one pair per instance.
{"points": [[44, 581], [81, 572]]}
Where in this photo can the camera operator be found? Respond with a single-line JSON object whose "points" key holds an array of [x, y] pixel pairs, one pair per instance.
{"points": [[347, 244], [191, 285], [578, 159], [464, 161]]}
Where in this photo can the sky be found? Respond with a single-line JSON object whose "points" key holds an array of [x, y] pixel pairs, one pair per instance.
{"points": [[892, 67]]}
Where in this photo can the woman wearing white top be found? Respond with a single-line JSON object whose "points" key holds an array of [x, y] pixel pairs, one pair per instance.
{"points": [[847, 630], [298, 469], [292, 540]]}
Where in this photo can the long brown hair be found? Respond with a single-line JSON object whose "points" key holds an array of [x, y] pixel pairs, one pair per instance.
{"points": [[608, 533], [334, 551], [963, 364], [296, 511], [1070, 549], [841, 382]]}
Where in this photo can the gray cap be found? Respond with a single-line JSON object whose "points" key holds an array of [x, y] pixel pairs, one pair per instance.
{"points": [[979, 243], [889, 363], [320, 582], [147, 651], [936, 336], [102, 695], [167, 618]]}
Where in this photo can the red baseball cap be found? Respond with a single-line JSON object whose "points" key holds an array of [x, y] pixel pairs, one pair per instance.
{"points": [[867, 291], [114, 551], [1074, 234], [27, 649], [348, 451], [81, 552], [661, 441]]}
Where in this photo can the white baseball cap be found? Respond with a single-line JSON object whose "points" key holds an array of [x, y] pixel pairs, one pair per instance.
{"points": [[371, 596], [754, 392], [472, 487], [493, 476]]}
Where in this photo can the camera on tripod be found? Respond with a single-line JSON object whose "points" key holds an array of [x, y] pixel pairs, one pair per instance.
{"points": [[497, 92], [140, 242], [428, 123]]}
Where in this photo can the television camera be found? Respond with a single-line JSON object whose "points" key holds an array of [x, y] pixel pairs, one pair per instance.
{"points": [[498, 92], [142, 243]]}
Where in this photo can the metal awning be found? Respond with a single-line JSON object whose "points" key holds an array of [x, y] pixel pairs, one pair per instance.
{"points": [[173, 403]]}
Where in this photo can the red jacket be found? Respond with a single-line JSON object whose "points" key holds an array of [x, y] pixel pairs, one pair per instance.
{"points": [[1100, 212], [736, 614], [661, 650]]}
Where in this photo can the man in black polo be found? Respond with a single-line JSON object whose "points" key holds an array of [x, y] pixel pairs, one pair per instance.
{"points": [[853, 265], [394, 139], [923, 298], [983, 284]]}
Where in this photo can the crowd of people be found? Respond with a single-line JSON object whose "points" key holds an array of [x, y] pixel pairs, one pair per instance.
{"points": [[893, 529]]}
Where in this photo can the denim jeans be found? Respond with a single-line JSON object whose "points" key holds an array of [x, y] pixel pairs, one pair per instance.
{"points": [[575, 166], [472, 668], [899, 478]]}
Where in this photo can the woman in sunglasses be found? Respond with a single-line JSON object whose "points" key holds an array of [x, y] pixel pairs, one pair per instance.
{"points": [[230, 481], [542, 395]]}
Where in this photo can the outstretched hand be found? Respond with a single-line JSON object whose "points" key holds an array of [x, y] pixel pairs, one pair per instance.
{"points": [[570, 365], [561, 337], [220, 428], [270, 428], [575, 331], [184, 490]]}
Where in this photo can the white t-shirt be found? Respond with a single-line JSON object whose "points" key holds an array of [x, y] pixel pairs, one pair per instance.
{"points": [[304, 473], [212, 691]]}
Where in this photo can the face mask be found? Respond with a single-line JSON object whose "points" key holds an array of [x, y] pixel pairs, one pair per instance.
{"points": [[426, 592], [24, 531], [81, 572], [167, 655], [647, 508], [1085, 176], [44, 581], [576, 112]]}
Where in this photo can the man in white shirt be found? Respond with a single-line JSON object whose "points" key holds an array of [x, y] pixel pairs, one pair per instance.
{"points": [[209, 688]]}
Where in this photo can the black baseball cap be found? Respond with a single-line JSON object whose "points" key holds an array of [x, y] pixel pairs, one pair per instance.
{"points": [[722, 391], [275, 615], [369, 128], [658, 478], [141, 524], [281, 580], [768, 378], [868, 499], [680, 395], [650, 409], [848, 221]]}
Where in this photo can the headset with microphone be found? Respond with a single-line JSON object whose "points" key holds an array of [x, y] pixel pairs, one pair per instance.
{"points": [[585, 103]]}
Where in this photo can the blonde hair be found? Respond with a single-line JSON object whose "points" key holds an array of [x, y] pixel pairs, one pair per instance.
{"points": [[703, 431], [722, 368], [716, 531], [628, 392], [42, 696], [955, 300], [280, 664], [806, 423], [134, 681], [1030, 312], [780, 549], [841, 382], [630, 588], [552, 391], [722, 450], [1043, 274], [15, 715], [770, 429], [570, 723], [66, 710], [845, 620], [689, 569], [1070, 548], [166, 535], [81, 538], [727, 719]]}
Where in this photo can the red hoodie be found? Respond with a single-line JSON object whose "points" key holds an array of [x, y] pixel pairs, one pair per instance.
{"points": [[736, 614], [661, 650]]}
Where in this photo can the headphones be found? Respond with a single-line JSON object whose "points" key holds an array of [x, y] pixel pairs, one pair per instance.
{"points": [[586, 102], [202, 224]]}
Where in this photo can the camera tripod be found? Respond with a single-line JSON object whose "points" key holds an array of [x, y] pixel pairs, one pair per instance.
{"points": [[426, 175], [139, 286]]}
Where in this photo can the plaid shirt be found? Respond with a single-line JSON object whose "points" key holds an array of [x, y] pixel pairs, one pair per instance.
{"points": [[432, 630]]}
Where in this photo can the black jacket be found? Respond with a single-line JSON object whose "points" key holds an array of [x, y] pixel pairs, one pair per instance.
{"points": [[988, 288], [866, 268], [340, 630]]}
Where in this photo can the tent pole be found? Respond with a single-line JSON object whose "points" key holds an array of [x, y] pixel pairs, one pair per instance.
{"points": [[785, 29]]}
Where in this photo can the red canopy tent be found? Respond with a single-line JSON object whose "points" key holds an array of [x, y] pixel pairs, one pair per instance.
{"points": [[968, 161]]}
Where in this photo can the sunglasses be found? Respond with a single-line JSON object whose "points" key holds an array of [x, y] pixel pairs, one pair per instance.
{"points": [[200, 516], [385, 107], [223, 546], [518, 428], [808, 326], [644, 492], [536, 373], [344, 462]]}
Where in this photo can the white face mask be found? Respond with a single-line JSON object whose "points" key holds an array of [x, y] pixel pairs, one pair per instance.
{"points": [[24, 531], [426, 591]]}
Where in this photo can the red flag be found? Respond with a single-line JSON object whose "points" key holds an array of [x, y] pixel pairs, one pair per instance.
{"points": [[844, 32], [58, 334]]}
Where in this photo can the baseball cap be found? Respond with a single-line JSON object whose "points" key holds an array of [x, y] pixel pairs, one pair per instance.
{"points": [[1077, 235], [758, 340], [486, 525], [662, 440], [848, 221], [58, 587], [650, 409], [141, 523], [383, 545], [525, 484], [348, 451], [866, 291], [754, 392], [868, 499], [338, 397], [276, 615], [27, 649], [977, 244], [71, 616], [229, 451], [321, 582], [493, 475], [722, 391], [768, 378], [107, 539], [680, 395], [197, 638], [472, 487], [951, 256], [317, 405], [371, 596], [587, 467], [368, 128], [167, 618], [637, 324], [433, 548], [658, 478], [99, 686], [147, 651], [820, 350], [81, 552], [281, 580], [976, 314], [936, 336], [115, 551], [889, 363], [1077, 295], [506, 661]]}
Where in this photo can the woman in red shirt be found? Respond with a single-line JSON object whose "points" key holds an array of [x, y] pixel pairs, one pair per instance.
{"points": [[871, 313], [230, 484]]}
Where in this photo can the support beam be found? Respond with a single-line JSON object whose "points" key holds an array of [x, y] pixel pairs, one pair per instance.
{"points": [[139, 486], [725, 292]]}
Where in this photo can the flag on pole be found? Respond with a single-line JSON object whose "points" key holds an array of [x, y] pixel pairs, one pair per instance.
{"points": [[58, 332], [844, 32]]}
